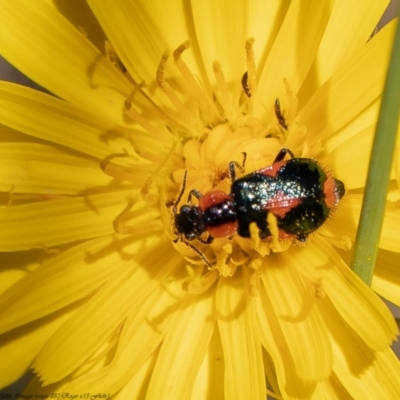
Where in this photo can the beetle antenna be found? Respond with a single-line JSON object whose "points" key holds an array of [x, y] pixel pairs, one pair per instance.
{"points": [[181, 192], [175, 203], [199, 252]]}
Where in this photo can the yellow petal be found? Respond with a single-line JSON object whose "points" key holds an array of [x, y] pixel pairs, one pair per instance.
{"points": [[55, 222], [365, 373], [348, 157], [37, 168], [141, 336], [46, 117], [359, 123], [390, 237], [221, 32], [134, 35], [356, 303], [185, 344], [43, 45], [70, 276], [21, 346], [301, 325], [93, 324], [209, 384], [136, 388], [178, 16], [244, 371], [345, 220], [345, 94], [293, 51], [36, 388], [80, 15], [290, 385], [386, 280], [348, 29], [264, 21], [15, 266]]}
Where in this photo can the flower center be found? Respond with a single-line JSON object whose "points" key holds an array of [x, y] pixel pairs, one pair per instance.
{"points": [[229, 202]]}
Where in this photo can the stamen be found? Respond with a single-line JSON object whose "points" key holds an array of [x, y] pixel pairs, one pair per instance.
{"points": [[112, 56], [138, 118], [114, 59], [273, 228], [225, 99], [122, 229], [118, 227], [199, 285], [245, 85], [273, 395], [260, 246], [46, 252], [105, 163], [340, 241], [251, 66], [13, 197], [254, 235], [254, 277], [279, 115], [192, 83], [128, 173], [106, 347], [318, 291], [163, 85], [222, 257]]}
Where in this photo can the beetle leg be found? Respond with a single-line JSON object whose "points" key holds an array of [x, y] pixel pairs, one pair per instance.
{"points": [[302, 238], [235, 164], [282, 154], [200, 253], [194, 193], [119, 227], [209, 240]]}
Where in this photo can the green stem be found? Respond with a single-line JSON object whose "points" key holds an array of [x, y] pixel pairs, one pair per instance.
{"points": [[373, 209]]}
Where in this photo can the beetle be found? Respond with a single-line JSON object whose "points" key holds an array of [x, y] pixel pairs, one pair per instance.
{"points": [[297, 191]]}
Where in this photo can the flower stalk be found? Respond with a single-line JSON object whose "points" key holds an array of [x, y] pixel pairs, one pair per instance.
{"points": [[373, 209]]}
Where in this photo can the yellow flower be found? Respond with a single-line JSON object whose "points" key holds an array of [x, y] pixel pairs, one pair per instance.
{"points": [[98, 295]]}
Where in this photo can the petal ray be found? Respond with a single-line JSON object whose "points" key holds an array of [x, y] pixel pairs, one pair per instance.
{"points": [[46, 117], [290, 384], [386, 280], [373, 321], [42, 169], [345, 94], [21, 346], [70, 276], [293, 51], [146, 325], [348, 29], [222, 38], [365, 373], [348, 213], [36, 28], [134, 35], [55, 222], [104, 314], [185, 344], [302, 327], [244, 371]]}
